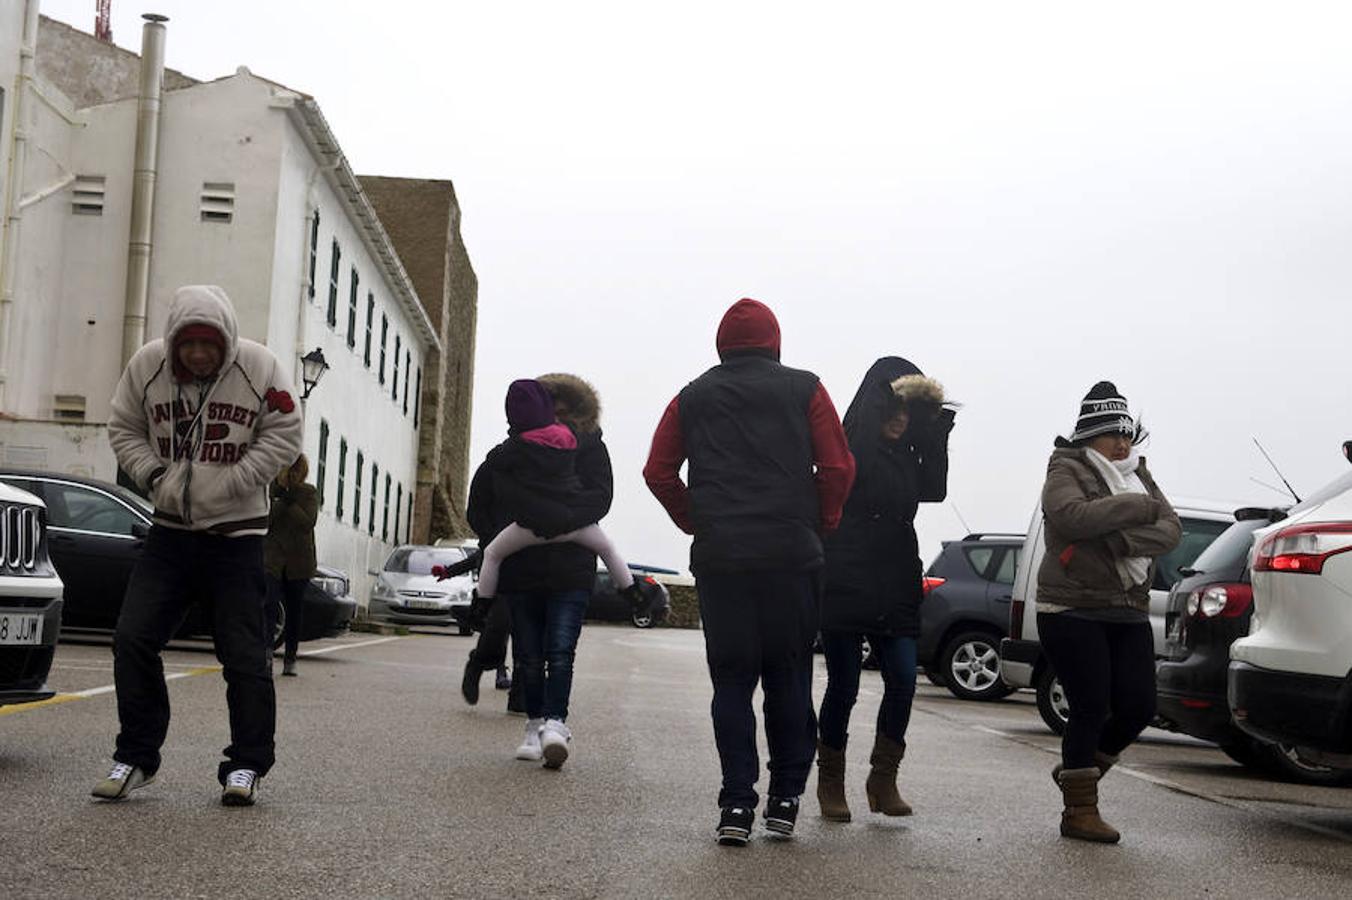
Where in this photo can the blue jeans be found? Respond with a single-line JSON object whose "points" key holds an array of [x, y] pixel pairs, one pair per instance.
{"points": [[545, 629], [844, 660], [758, 628]]}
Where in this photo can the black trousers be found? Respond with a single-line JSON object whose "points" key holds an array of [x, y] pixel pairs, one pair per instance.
{"points": [[177, 569], [490, 651], [1107, 670], [289, 593], [758, 629]]}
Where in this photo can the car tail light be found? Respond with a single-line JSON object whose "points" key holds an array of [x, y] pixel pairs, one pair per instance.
{"points": [[1303, 549], [648, 579], [1016, 618], [1224, 600], [928, 584]]}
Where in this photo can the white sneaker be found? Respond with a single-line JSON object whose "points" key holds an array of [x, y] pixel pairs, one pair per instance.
{"points": [[122, 780], [241, 788], [530, 744], [554, 738]]}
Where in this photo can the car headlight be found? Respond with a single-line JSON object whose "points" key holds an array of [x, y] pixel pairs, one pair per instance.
{"points": [[334, 587], [382, 591]]}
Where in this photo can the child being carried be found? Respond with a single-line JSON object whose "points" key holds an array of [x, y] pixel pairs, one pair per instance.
{"points": [[533, 476]]}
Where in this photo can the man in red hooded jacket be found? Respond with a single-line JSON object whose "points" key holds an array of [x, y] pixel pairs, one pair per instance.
{"points": [[769, 470]]}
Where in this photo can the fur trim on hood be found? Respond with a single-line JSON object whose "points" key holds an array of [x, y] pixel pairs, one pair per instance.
{"points": [[919, 389], [583, 405]]}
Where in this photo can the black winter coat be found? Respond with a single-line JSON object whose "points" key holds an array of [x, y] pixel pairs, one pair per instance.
{"points": [[873, 568], [496, 500]]}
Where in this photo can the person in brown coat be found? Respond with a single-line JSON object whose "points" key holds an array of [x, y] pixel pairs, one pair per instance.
{"points": [[1106, 521], [289, 550]]}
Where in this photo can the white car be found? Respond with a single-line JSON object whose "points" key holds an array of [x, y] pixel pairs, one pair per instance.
{"points": [[30, 599], [1022, 663], [1290, 680], [407, 593]]}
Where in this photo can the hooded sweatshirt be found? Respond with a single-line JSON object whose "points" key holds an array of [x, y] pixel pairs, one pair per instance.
{"points": [[769, 466], [206, 449]]}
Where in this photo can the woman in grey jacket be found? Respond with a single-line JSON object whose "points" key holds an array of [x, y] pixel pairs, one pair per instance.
{"points": [[1106, 521]]}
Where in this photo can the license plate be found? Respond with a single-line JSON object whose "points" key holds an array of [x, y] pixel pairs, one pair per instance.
{"points": [[20, 629], [425, 604]]}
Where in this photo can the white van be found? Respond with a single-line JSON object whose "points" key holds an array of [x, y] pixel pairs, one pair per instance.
{"points": [[1022, 663]]}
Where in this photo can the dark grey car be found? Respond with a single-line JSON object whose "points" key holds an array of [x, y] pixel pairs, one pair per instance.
{"points": [[965, 613]]}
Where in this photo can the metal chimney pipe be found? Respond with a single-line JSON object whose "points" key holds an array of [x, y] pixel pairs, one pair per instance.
{"points": [[143, 184]]}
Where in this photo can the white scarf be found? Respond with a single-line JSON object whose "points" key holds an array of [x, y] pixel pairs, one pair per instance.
{"points": [[1121, 478]]}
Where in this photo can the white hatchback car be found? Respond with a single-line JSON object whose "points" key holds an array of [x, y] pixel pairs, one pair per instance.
{"points": [[1290, 680]]}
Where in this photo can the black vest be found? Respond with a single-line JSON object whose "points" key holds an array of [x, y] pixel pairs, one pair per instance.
{"points": [[753, 499]]}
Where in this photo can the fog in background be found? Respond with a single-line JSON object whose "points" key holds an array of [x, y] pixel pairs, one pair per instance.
{"points": [[1020, 198]]}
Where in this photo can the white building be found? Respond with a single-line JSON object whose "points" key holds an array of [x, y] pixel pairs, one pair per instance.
{"points": [[250, 191]]}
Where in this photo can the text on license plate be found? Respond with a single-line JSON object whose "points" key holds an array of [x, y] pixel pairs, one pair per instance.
{"points": [[20, 628], [425, 604]]}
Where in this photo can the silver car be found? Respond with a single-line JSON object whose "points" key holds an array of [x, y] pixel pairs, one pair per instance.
{"points": [[407, 593]]}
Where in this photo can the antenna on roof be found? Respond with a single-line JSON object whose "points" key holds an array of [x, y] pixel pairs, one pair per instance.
{"points": [[103, 20], [957, 512], [1289, 489]]}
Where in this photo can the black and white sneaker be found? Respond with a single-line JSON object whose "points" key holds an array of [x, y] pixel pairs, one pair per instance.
{"points": [[734, 826], [780, 815], [241, 788]]}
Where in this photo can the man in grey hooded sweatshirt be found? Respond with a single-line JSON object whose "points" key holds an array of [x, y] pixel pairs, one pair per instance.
{"points": [[203, 420]]}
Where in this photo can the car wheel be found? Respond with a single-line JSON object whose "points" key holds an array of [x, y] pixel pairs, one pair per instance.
{"points": [[279, 626], [970, 664], [935, 677], [1282, 761], [1051, 701], [641, 620]]}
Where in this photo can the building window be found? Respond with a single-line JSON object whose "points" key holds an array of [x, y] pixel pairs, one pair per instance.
{"points": [[371, 510], [408, 363], [384, 333], [385, 519], [398, 505], [323, 459], [356, 491], [334, 265], [352, 313], [417, 398], [342, 477], [394, 391], [408, 524], [314, 251], [370, 318]]}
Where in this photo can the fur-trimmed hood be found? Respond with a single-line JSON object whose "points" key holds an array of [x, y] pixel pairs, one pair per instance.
{"points": [[918, 388], [582, 402]]}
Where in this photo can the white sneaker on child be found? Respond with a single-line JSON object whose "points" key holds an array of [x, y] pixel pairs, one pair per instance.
{"points": [[554, 738], [530, 744]]}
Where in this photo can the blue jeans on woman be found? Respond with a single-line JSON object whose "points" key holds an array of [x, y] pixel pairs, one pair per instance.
{"points": [[844, 661], [545, 629]]}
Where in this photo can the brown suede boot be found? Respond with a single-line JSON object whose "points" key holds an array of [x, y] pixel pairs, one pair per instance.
{"points": [[1081, 819], [881, 785], [1101, 759], [831, 783]]}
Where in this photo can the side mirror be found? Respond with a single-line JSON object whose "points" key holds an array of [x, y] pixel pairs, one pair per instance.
{"points": [[140, 529], [373, 572], [1347, 450]]}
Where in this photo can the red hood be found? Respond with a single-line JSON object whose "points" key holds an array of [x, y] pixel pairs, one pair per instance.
{"points": [[748, 325]]}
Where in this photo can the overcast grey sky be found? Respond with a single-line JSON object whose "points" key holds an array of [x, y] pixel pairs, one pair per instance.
{"points": [[1022, 198]]}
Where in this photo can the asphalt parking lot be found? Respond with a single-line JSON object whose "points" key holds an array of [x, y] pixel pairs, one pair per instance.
{"points": [[387, 785]]}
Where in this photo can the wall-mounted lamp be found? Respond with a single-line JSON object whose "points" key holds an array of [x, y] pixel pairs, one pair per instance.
{"points": [[313, 366]]}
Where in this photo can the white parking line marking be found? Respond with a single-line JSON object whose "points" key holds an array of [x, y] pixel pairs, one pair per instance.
{"points": [[200, 670], [1180, 788]]}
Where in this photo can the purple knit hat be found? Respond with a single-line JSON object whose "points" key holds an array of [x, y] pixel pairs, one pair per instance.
{"points": [[529, 405]]}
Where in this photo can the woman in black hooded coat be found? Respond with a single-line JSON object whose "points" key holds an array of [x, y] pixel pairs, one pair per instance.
{"points": [[898, 431]]}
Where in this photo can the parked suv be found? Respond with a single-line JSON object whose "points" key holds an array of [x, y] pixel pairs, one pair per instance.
{"points": [[30, 599], [1022, 663], [966, 613], [1290, 679]]}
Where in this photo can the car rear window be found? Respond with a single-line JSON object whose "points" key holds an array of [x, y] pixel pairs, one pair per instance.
{"points": [[1230, 549], [1198, 534]]}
